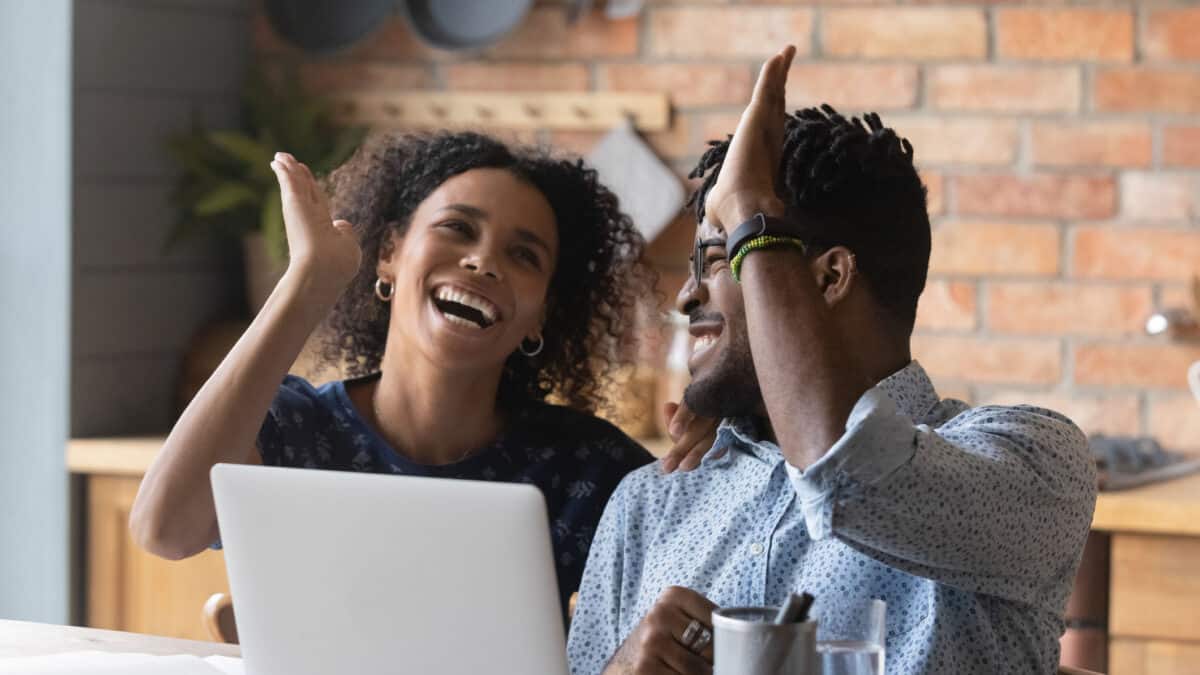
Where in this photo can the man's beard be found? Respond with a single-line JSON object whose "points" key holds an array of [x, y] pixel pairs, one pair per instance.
{"points": [[730, 389]]}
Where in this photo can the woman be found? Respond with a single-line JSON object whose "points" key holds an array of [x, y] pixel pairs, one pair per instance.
{"points": [[474, 282]]}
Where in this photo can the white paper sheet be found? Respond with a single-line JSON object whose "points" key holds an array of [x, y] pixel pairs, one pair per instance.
{"points": [[107, 663], [227, 664]]}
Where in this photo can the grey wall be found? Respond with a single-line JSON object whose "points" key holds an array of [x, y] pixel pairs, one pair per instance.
{"points": [[35, 198], [142, 68]]}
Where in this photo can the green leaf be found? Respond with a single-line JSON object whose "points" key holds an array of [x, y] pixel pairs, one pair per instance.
{"points": [[345, 143], [274, 233], [224, 197], [246, 149], [188, 152]]}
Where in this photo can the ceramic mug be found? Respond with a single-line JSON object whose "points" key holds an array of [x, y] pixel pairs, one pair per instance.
{"points": [[1194, 380]]}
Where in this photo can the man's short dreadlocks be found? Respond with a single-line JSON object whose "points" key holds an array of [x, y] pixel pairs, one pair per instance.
{"points": [[850, 184]]}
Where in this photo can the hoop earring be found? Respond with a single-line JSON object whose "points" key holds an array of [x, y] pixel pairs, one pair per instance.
{"points": [[379, 286], [541, 342]]}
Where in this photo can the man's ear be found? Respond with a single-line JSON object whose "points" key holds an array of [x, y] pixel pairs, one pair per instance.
{"points": [[836, 271]]}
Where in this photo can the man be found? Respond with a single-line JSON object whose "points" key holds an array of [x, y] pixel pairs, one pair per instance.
{"points": [[837, 469]]}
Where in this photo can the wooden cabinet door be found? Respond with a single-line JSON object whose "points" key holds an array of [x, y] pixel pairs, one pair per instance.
{"points": [[1133, 656], [1155, 587], [131, 590]]}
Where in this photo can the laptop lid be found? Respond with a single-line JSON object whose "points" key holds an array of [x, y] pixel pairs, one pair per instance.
{"points": [[340, 572]]}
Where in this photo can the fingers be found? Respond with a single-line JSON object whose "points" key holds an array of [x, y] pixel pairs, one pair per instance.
{"points": [[683, 606], [281, 175], [669, 409], [300, 178], [696, 454], [680, 659], [772, 78], [692, 438], [691, 447], [677, 607], [681, 419], [693, 604]]}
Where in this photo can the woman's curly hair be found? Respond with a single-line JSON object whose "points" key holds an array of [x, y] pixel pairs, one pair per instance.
{"points": [[599, 276]]}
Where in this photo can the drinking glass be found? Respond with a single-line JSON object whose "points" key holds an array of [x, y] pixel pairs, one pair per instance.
{"points": [[852, 642]]}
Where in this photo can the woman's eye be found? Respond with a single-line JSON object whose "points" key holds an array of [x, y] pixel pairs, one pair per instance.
{"points": [[457, 226], [528, 256]]}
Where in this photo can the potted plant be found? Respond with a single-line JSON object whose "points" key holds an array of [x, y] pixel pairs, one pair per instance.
{"points": [[226, 187]]}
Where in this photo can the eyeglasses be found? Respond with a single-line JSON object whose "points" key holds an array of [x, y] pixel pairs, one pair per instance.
{"points": [[698, 258], [698, 255]]}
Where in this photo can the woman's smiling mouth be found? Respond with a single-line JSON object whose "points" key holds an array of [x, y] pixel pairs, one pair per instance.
{"points": [[465, 308]]}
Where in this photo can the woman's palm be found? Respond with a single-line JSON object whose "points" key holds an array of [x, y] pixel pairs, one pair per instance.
{"points": [[315, 241]]}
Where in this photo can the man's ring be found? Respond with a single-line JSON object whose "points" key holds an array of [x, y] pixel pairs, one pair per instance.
{"points": [[696, 637]]}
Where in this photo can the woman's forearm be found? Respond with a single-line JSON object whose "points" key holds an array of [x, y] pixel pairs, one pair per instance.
{"points": [[173, 515]]}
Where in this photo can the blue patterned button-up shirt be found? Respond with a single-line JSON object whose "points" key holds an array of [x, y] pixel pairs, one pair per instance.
{"points": [[968, 522]]}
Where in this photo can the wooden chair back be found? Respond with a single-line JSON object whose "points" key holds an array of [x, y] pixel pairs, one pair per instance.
{"points": [[218, 619], [1068, 670]]}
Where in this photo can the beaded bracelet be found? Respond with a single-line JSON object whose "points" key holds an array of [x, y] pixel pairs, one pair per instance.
{"points": [[757, 243]]}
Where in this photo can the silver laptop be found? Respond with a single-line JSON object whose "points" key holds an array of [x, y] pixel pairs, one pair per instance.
{"points": [[338, 572]]}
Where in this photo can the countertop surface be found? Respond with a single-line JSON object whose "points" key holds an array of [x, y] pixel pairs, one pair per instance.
{"points": [[131, 456], [1171, 507], [20, 638]]}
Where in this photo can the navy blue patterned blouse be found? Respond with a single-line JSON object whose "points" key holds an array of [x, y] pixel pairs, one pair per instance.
{"points": [[576, 459]]}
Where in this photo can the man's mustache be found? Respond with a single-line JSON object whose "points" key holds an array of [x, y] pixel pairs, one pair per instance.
{"points": [[697, 316]]}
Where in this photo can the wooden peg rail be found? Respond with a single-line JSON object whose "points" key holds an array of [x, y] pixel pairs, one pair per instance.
{"points": [[570, 111]]}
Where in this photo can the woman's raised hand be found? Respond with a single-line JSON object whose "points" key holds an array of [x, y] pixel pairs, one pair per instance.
{"points": [[692, 437], [324, 249]]}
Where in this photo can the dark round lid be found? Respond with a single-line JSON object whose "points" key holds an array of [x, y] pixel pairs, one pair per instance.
{"points": [[464, 24], [323, 26]]}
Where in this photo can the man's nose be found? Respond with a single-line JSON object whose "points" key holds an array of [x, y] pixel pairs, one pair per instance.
{"points": [[693, 294]]}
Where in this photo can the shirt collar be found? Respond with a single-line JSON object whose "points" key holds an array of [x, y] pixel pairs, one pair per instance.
{"points": [[910, 388], [912, 391]]}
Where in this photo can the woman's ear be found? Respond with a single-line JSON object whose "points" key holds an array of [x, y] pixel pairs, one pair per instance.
{"points": [[541, 324], [388, 246], [836, 271]]}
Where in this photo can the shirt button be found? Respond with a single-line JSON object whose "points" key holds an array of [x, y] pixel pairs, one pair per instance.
{"points": [[756, 548]]}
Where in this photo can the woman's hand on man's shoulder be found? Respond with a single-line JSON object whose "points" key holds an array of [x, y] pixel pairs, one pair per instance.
{"points": [[692, 437]]}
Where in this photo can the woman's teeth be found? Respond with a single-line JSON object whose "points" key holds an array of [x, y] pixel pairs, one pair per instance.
{"points": [[460, 321], [702, 343], [480, 304]]}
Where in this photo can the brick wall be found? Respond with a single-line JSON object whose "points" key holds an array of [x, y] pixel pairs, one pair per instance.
{"points": [[1060, 143]]}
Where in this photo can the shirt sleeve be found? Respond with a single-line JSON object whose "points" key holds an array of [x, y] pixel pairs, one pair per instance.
{"points": [[594, 635], [285, 437], [999, 500]]}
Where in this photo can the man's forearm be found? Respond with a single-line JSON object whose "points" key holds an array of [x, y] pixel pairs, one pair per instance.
{"points": [[809, 381]]}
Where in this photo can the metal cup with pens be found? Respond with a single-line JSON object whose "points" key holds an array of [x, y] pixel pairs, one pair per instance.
{"points": [[783, 641], [765, 640]]}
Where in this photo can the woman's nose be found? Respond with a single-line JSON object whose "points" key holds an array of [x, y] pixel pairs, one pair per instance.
{"points": [[480, 265]]}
